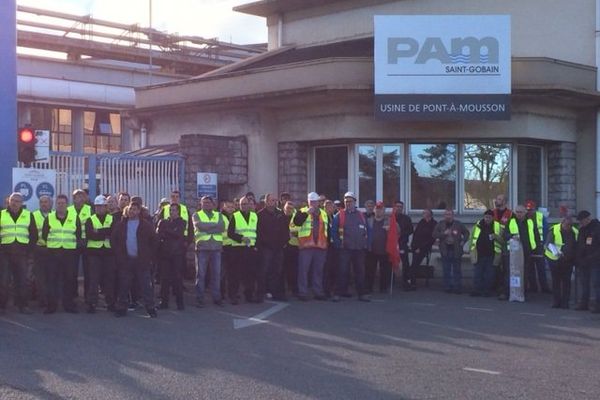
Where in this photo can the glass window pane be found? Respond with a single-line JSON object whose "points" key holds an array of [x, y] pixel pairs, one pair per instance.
{"points": [[331, 171], [89, 145], [392, 160], [115, 144], [115, 122], [42, 118], [89, 119], [486, 169], [65, 141], [529, 174], [433, 176], [101, 144], [367, 173], [64, 118]]}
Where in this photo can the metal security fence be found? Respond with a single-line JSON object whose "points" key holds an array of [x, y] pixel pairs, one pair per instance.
{"points": [[151, 177]]}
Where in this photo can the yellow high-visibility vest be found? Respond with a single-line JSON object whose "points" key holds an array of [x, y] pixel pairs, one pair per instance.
{"points": [[227, 241], [513, 229], [558, 240], [14, 231], [39, 224], [96, 224], [200, 236], [245, 229], [477, 231], [62, 235]]}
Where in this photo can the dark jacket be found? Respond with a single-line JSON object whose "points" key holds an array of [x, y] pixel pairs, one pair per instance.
{"points": [[406, 228], [423, 235], [146, 241], [272, 230], [588, 245], [458, 236], [171, 237]]}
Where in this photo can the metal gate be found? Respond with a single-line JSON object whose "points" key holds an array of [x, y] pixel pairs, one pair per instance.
{"points": [[150, 177]]}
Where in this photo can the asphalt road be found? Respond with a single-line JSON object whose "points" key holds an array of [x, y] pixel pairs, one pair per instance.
{"points": [[417, 345]]}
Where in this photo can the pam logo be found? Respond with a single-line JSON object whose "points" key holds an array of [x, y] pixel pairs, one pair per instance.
{"points": [[467, 50]]}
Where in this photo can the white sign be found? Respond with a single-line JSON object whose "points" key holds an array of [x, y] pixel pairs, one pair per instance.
{"points": [[33, 183], [442, 54], [42, 146], [207, 184]]}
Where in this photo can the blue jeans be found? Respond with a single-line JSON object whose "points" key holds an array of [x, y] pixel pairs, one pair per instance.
{"points": [[483, 275], [452, 270], [208, 259], [311, 259], [357, 258]]}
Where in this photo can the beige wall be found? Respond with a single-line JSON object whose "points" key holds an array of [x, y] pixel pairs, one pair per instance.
{"points": [[586, 163], [256, 126], [558, 29]]}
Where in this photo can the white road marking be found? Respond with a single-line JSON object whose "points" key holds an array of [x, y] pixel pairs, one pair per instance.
{"points": [[533, 314], [424, 304], [378, 301], [15, 323], [482, 371], [479, 309], [259, 318]]}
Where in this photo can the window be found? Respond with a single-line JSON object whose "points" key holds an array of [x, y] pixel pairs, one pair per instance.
{"points": [[433, 176], [486, 174], [392, 162], [529, 173], [379, 169], [102, 132], [61, 132], [331, 171], [367, 173]]}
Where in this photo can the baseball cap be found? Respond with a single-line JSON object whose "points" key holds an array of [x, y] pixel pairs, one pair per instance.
{"points": [[583, 215], [312, 196], [350, 194], [337, 203], [380, 204], [100, 200]]}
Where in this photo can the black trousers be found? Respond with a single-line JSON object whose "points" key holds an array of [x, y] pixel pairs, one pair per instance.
{"points": [[254, 276], [61, 276], [171, 276], [242, 268], [290, 267], [372, 261], [561, 282], [132, 272], [40, 261], [13, 265], [102, 271], [271, 260], [417, 260], [225, 261]]}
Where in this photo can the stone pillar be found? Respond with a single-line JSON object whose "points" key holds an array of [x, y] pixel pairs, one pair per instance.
{"points": [[561, 177], [293, 169], [225, 156]]}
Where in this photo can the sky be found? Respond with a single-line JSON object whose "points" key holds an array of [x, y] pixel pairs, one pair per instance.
{"points": [[206, 18]]}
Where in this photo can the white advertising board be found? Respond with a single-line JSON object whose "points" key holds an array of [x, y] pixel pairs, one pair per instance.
{"points": [[33, 183]]}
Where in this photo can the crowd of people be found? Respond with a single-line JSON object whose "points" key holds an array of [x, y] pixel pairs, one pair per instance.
{"points": [[274, 248]]}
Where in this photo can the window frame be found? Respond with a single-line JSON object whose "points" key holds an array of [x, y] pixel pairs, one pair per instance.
{"points": [[378, 171]]}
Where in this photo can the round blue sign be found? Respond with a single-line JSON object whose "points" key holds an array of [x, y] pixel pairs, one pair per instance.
{"points": [[25, 189], [44, 189]]}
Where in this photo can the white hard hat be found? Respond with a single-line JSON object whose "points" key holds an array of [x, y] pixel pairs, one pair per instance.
{"points": [[312, 196], [100, 201], [350, 194]]}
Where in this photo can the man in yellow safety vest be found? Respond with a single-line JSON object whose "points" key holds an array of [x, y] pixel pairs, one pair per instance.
{"points": [[18, 235]]}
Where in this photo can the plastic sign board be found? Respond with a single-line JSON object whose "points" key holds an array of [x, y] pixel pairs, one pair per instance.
{"points": [[42, 146], [207, 184], [442, 67], [34, 183]]}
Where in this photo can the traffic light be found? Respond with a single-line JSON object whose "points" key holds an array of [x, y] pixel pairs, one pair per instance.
{"points": [[26, 145]]}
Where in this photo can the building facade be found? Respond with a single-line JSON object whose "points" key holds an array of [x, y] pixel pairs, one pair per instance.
{"points": [[304, 113]]}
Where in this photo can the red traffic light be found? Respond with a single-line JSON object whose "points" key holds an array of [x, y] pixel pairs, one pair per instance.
{"points": [[26, 135]]}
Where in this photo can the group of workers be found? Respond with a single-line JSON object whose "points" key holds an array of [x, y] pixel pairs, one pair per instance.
{"points": [[273, 249]]}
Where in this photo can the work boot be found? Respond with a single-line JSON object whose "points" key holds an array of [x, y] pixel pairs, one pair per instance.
{"points": [[581, 307]]}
